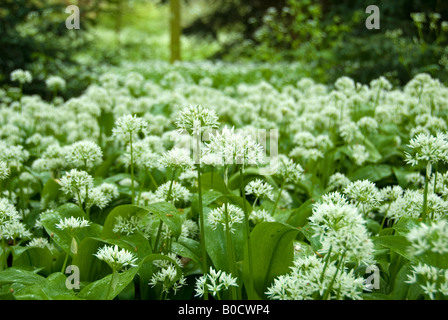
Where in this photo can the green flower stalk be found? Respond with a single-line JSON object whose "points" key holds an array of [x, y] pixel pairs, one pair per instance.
{"points": [[127, 128], [72, 226], [195, 120], [117, 261], [429, 150]]}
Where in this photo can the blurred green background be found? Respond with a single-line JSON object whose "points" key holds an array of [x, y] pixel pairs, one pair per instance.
{"points": [[327, 37]]}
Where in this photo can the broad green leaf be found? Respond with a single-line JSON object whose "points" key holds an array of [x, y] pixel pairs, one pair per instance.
{"points": [[20, 275], [169, 215], [61, 237], [50, 191], [401, 289], [215, 243], [33, 257], [126, 211], [272, 255], [213, 181], [52, 288], [99, 290], [299, 217], [397, 243], [405, 224], [373, 172], [208, 197], [90, 267]]}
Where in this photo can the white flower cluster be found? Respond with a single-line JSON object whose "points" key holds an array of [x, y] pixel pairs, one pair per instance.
{"points": [[214, 282], [11, 227], [259, 189], [21, 76], [72, 224], [432, 280], [115, 258], [227, 215], [341, 231], [310, 279]]}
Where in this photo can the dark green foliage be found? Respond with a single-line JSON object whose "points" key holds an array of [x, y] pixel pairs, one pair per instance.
{"points": [[34, 38]]}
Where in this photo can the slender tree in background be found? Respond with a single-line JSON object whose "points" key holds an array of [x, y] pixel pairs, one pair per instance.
{"points": [[175, 30]]}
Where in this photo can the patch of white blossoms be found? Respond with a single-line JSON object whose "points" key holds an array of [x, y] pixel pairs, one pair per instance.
{"points": [[226, 215], [341, 231], [259, 189], [117, 259], [310, 278], [214, 282]]}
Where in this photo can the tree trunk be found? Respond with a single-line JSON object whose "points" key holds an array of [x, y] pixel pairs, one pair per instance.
{"points": [[175, 30]]}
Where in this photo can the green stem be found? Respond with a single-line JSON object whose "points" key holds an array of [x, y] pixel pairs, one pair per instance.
{"points": [[168, 197], [141, 186], [65, 263], [152, 179], [132, 170], [230, 249], [202, 227], [112, 279], [278, 197], [435, 177], [330, 287], [425, 193], [159, 232], [247, 230]]}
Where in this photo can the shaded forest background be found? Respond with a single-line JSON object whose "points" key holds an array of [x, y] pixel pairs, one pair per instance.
{"points": [[328, 37]]}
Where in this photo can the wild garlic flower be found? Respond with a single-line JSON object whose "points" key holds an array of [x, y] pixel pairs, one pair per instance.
{"points": [[391, 193], [215, 282], [146, 153], [55, 83], [337, 181], [84, 154], [94, 197], [147, 198], [259, 189], [350, 132], [72, 224], [14, 156], [109, 190], [305, 281], [75, 181], [364, 194], [428, 149], [41, 243], [166, 277], [115, 258], [10, 225], [234, 148], [176, 194], [21, 76], [430, 242], [126, 226], [432, 280], [4, 170], [176, 158], [342, 231], [190, 229], [289, 171], [359, 154], [128, 126], [52, 159], [410, 204], [14, 229], [218, 216], [261, 215], [195, 119]]}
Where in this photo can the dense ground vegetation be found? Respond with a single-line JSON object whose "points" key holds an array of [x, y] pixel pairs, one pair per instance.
{"points": [[123, 176]]}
